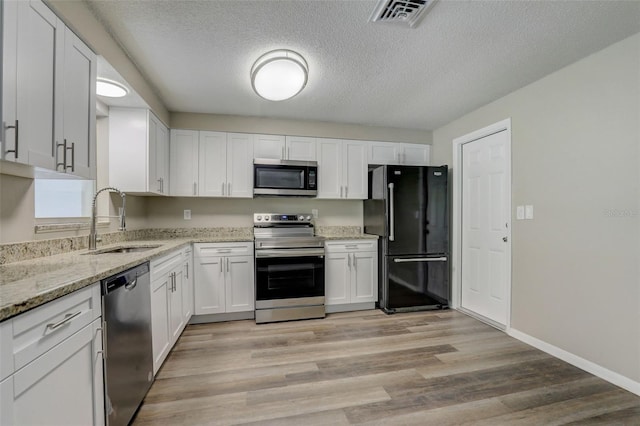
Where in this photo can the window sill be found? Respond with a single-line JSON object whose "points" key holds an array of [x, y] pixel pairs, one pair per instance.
{"points": [[64, 227]]}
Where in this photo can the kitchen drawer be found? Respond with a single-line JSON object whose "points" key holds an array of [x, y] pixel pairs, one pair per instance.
{"points": [[223, 249], [33, 333], [348, 246], [163, 265]]}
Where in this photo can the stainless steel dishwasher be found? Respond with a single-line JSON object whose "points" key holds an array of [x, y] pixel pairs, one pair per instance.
{"points": [[128, 353]]}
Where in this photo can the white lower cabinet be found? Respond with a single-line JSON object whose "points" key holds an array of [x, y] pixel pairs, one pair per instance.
{"points": [[62, 385], [224, 278], [187, 284], [351, 272], [170, 307]]}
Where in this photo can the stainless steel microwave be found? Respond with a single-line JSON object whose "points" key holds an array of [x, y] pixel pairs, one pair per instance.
{"points": [[285, 177]]}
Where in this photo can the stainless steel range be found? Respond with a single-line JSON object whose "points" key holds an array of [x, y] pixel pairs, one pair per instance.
{"points": [[289, 268]]}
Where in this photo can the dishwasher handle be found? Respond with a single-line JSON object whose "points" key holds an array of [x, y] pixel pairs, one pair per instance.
{"points": [[127, 279]]}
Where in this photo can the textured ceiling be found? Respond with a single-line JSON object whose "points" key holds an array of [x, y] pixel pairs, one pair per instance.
{"points": [[464, 54]]}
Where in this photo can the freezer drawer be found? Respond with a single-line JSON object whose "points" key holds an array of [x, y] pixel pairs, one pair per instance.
{"points": [[412, 282]]}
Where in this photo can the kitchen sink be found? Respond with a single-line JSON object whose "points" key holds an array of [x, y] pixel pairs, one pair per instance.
{"points": [[126, 249]]}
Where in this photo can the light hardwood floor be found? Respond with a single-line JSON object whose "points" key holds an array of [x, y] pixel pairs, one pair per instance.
{"points": [[423, 368]]}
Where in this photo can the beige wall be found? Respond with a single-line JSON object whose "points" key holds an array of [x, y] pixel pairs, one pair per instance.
{"points": [[17, 207], [575, 157], [213, 212], [235, 123]]}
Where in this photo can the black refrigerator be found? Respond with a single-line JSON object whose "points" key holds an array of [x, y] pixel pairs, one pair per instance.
{"points": [[407, 208]]}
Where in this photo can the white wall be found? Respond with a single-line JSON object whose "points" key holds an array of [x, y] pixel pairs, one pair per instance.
{"points": [[575, 157]]}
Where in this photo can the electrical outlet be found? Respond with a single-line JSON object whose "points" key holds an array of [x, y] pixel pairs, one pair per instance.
{"points": [[187, 215], [528, 211], [314, 212]]}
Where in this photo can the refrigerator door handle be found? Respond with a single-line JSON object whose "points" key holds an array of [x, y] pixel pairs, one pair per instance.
{"points": [[422, 259], [392, 234]]}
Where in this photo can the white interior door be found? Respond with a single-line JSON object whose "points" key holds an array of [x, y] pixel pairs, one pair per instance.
{"points": [[485, 260]]}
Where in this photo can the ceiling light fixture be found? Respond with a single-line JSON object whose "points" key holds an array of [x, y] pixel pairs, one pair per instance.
{"points": [[279, 75], [110, 88]]}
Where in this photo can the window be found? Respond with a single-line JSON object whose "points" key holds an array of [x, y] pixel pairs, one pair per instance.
{"points": [[63, 198]]}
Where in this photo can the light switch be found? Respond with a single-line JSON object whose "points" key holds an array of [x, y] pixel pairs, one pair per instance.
{"points": [[187, 215], [528, 211], [520, 212]]}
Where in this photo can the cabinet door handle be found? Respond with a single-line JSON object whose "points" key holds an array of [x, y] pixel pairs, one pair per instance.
{"points": [[354, 260], [229, 189], [186, 272], [64, 155], [349, 260], [221, 262], [73, 156], [65, 320], [227, 265], [288, 153], [351, 246], [103, 331], [195, 188], [159, 184], [15, 138], [222, 188]]}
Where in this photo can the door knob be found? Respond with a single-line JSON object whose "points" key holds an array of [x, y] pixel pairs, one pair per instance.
{"points": [[505, 239]]}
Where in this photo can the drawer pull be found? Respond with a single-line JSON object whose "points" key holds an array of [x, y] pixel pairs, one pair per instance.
{"points": [[65, 320], [351, 246]]}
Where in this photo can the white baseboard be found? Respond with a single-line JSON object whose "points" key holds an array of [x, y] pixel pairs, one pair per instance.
{"points": [[588, 366]]}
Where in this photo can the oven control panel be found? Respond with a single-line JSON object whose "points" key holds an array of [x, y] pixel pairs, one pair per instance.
{"points": [[276, 218]]}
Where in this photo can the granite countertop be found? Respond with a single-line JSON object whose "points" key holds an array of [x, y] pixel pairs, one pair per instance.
{"points": [[350, 237], [30, 283], [26, 284], [343, 233]]}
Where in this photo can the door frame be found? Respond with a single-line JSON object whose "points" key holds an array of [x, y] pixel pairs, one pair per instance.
{"points": [[456, 252]]}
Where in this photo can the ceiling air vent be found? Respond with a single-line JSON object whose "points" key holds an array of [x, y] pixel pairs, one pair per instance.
{"points": [[406, 12]]}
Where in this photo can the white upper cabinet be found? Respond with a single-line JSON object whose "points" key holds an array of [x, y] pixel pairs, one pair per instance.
{"points": [[240, 165], [354, 166], [342, 169], [284, 147], [48, 92], [138, 152], [408, 154], [414, 154], [269, 146], [384, 153], [183, 169], [301, 148], [79, 110], [211, 164]]}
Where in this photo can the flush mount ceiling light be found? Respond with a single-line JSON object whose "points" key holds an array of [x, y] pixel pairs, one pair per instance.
{"points": [[279, 75], [110, 88]]}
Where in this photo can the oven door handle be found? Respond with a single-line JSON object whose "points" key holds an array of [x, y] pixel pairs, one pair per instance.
{"points": [[300, 252]]}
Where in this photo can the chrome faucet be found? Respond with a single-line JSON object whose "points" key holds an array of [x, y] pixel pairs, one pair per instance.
{"points": [[93, 235]]}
